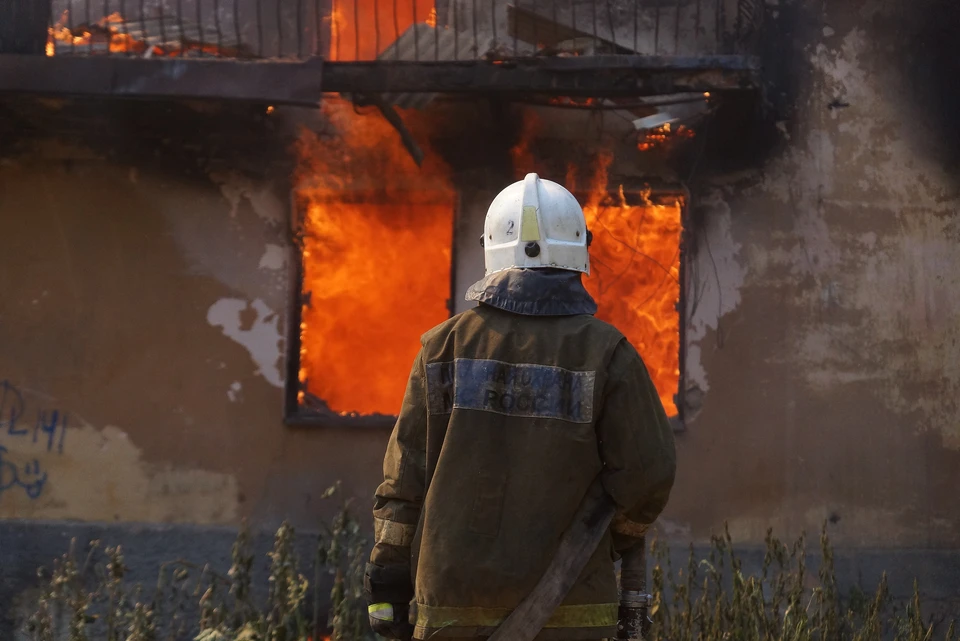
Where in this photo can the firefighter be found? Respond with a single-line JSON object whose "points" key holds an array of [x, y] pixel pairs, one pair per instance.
{"points": [[511, 410]]}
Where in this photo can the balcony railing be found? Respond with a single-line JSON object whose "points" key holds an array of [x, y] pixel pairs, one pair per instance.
{"points": [[377, 47], [409, 30]]}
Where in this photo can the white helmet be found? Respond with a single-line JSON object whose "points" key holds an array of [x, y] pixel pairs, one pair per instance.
{"points": [[535, 223]]}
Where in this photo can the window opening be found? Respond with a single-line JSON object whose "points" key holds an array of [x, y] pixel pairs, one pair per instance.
{"points": [[376, 239], [376, 276]]}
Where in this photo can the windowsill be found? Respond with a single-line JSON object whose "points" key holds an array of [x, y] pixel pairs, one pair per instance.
{"points": [[332, 419]]}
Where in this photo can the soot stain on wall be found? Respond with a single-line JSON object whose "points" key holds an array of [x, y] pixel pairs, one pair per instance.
{"points": [[748, 128]]}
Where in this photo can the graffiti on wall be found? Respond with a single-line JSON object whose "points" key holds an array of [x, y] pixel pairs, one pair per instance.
{"points": [[27, 434]]}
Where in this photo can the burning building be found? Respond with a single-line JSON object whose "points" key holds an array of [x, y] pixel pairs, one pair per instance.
{"points": [[216, 216]]}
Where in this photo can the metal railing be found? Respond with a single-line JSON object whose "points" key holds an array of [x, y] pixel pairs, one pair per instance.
{"points": [[410, 30]]}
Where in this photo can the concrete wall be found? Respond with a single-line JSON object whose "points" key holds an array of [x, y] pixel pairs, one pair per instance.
{"points": [[146, 281], [143, 331], [824, 336]]}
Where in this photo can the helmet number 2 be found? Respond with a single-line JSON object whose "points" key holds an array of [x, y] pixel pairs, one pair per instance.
{"points": [[510, 225]]}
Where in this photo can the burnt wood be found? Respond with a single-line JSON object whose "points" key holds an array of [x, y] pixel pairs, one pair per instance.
{"points": [[297, 83], [609, 75], [301, 83]]}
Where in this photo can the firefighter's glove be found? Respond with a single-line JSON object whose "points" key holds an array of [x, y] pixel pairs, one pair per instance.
{"points": [[389, 591], [391, 621]]}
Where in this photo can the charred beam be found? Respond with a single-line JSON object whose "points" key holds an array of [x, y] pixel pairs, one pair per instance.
{"points": [[391, 116], [613, 75], [300, 83], [296, 83]]}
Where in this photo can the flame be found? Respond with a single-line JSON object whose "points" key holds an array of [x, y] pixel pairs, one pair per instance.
{"points": [[570, 101], [362, 29], [377, 252], [635, 274], [107, 30], [662, 135], [521, 154], [111, 31]]}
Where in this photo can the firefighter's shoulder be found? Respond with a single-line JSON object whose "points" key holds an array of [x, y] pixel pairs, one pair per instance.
{"points": [[599, 328], [480, 317], [447, 326]]}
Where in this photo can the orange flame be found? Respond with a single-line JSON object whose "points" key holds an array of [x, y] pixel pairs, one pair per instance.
{"points": [[521, 154], [362, 29], [109, 34], [570, 101], [635, 276], [663, 134], [376, 261], [105, 30]]}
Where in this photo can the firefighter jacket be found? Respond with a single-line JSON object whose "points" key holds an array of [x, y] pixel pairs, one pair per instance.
{"points": [[512, 409]]}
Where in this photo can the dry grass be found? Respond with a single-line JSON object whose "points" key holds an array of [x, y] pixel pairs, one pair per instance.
{"points": [[89, 600], [714, 600], [710, 599]]}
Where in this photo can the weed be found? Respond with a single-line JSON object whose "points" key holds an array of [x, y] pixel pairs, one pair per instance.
{"points": [[91, 601], [781, 602], [707, 599]]}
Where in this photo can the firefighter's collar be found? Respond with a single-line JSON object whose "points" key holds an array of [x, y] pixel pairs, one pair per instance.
{"points": [[534, 292]]}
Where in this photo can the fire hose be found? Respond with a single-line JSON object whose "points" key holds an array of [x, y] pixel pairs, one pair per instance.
{"points": [[577, 545]]}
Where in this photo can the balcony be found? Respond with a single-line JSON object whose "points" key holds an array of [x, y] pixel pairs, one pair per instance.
{"points": [[291, 51]]}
